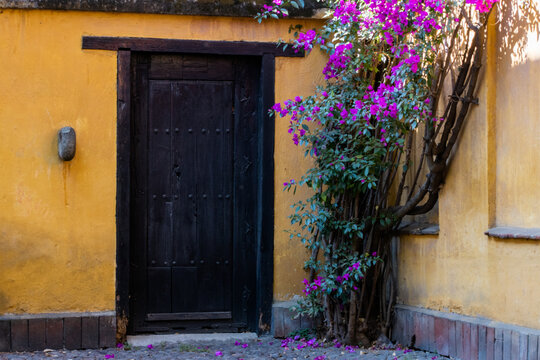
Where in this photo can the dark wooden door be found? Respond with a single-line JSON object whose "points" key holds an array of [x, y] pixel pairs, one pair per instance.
{"points": [[194, 192]]}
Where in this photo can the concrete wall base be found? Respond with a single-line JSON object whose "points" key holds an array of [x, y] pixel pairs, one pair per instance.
{"points": [[284, 322], [464, 337]]}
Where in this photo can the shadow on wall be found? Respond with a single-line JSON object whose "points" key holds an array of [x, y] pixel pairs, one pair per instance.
{"points": [[518, 31]]}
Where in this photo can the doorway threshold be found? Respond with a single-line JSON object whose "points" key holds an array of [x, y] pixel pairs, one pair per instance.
{"points": [[145, 340]]}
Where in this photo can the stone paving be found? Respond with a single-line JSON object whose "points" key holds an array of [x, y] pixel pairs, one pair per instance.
{"points": [[262, 348]]}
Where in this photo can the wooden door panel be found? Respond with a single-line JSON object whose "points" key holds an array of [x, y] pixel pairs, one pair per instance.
{"points": [[184, 282], [207, 108], [195, 188], [159, 290], [185, 251], [160, 214]]}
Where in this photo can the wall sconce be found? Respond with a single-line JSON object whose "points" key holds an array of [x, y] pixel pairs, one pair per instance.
{"points": [[66, 143]]}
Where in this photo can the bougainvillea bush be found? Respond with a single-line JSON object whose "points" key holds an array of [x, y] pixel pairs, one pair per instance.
{"points": [[396, 68]]}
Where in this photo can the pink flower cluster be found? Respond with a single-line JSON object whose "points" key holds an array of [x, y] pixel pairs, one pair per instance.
{"points": [[338, 61], [482, 5], [306, 40], [395, 17], [346, 12], [343, 278], [275, 8], [412, 61], [315, 285]]}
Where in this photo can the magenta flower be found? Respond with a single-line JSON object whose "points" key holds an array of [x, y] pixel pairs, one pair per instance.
{"points": [[109, 356], [244, 346], [306, 40], [150, 346], [119, 345], [219, 353], [237, 343]]}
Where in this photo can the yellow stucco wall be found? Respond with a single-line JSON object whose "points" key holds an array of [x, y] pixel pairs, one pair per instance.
{"points": [[57, 221], [493, 181]]}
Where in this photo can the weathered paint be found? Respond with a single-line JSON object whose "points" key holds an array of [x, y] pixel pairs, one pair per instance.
{"points": [[493, 181], [58, 232]]}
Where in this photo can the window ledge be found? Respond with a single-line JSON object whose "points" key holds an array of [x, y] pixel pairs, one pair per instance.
{"points": [[419, 229], [509, 232]]}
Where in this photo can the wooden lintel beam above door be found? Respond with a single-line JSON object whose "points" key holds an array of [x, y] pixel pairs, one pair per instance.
{"points": [[189, 46]]}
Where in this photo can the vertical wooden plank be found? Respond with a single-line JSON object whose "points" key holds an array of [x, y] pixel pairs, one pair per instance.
{"points": [[123, 187], [398, 330], [37, 330], [474, 342], [107, 331], [482, 336], [459, 339], [499, 339], [19, 335], [160, 202], [90, 332], [184, 284], [159, 244], [55, 333], [523, 346], [214, 109], [423, 332], [5, 335], [507, 344], [490, 343], [514, 353], [277, 322], [466, 340], [246, 180], [417, 328], [140, 194], [72, 333], [225, 132], [185, 246], [159, 290], [452, 347], [441, 335], [410, 328], [266, 196], [432, 346], [532, 353]]}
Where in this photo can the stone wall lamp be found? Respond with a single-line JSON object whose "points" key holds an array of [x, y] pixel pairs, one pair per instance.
{"points": [[66, 143]]}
